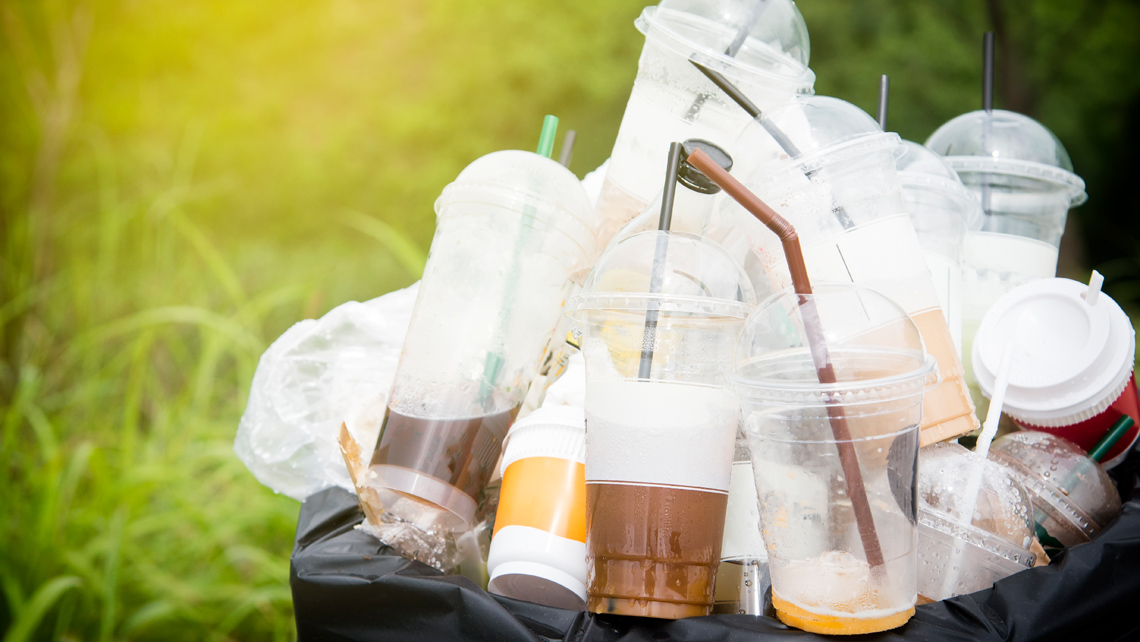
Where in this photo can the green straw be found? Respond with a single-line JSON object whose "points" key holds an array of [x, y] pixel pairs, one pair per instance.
{"points": [[1122, 425], [546, 138]]}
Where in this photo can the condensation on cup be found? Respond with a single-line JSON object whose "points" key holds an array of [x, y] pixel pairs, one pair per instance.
{"points": [[671, 100]]}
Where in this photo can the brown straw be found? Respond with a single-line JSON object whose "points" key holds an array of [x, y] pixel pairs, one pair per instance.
{"points": [[813, 327]]}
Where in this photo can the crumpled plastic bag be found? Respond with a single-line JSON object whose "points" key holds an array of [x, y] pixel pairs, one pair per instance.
{"points": [[316, 376]]}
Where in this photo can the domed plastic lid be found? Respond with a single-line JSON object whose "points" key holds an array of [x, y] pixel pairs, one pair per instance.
{"points": [[672, 272], [530, 184], [1002, 507], [1005, 142], [876, 350], [1073, 351], [1059, 474], [811, 130], [922, 170], [770, 37]]}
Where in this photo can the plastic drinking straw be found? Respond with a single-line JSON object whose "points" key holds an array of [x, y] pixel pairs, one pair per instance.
{"points": [[1122, 425], [817, 345], [733, 48], [494, 360], [649, 337], [884, 93], [988, 107], [567, 148]]}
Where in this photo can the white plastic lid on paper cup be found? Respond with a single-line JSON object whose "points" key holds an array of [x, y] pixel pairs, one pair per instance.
{"points": [[1072, 357], [550, 431], [538, 583]]}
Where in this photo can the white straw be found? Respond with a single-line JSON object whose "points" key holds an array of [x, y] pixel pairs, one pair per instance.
{"points": [[1095, 283]]}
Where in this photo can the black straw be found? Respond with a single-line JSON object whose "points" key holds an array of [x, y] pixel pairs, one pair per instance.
{"points": [[988, 72], [649, 338], [884, 93]]}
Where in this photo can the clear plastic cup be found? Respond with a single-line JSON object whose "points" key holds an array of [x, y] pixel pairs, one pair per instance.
{"points": [[822, 547], [671, 100], [942, 211], [511, 230], [660, 436], [742, 578], [843, 195], [538, 550], [1072, 372], [1073, 498], [960, 553], [1025, 181]]}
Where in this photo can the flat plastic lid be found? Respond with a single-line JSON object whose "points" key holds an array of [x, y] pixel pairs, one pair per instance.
{"points": [[922, 170], [693, 276], [1005, 142], [770, 36], [876, 349], [540, 583], [1071, 358], [815, 131]]}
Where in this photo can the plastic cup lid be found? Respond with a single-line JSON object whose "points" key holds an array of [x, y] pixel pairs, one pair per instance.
{"points": [[550, 431], [921, 169], [540, 583], [1071, 360]]}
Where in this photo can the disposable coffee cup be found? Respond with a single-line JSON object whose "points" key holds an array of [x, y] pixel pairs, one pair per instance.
{"points": [[965, 544], [671, 100], [843, 195], [512, 229], [1073, 498], [836, 568], [1073, 360], [538, 549], [942, 211], [658, 319]]}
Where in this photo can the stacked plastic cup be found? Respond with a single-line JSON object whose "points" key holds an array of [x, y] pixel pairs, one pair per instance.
{"points": [[538, 551], [1072, 371], [843, 195], [760, 45], [942, 211], [841, 541], [965, 544], [1073, 498], [742, 578], [1025, 181], [658, 317], [511, 230]]}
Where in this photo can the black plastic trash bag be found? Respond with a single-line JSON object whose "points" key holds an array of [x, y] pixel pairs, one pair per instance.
{"points": [[348, 586]]}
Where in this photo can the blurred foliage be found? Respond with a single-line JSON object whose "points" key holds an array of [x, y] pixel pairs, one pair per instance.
{"points": [[180, 181]]}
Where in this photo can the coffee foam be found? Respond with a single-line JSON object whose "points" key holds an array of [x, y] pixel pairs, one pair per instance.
{"points": [[659, 433]]}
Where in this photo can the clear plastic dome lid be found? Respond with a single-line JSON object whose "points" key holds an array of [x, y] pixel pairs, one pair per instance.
{"points": [[1002, 506], [531, 184], [672, 272], [1005, 142], [769, 37], [812, 131], [920, 169], [875, 348], [1062, 476]]}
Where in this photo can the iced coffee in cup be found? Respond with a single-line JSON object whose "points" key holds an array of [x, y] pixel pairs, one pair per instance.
{"points": [[942, 211], [1072, 372], [511, 230], [760, 45], [658, 319], [838, 566], [1024, 179], [842, 193]]}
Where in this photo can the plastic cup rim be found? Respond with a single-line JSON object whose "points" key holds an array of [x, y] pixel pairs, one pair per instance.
{"points": [[1023, 169]]}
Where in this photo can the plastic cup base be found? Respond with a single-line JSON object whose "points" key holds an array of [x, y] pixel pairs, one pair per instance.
{"points": [[646, 608], [805, 620]]}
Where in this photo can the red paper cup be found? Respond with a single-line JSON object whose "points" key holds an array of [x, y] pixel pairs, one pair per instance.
{"points": [[1072, 372]]}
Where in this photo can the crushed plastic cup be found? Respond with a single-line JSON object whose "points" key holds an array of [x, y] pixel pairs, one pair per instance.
{"points": [[1024, 179], [658, 319], [844, 197], [942, 211], [538, 550], [1073, 498], [513, 229], [960, 553], [1073, 371], [824, 580], [671, 100]]}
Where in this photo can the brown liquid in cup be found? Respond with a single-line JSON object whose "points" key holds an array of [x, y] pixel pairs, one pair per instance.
{"points": [[652, 551]]}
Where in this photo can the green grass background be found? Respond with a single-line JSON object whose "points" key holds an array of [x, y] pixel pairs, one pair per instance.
{"points": [[182, 180]]}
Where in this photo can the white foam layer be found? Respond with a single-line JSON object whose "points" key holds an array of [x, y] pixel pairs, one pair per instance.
{"points": [[659, 433]]}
